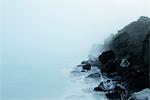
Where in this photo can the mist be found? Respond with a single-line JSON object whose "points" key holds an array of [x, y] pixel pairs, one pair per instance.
{"points": [[41, 38]]}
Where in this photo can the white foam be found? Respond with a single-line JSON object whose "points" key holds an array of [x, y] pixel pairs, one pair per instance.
{"points": [[81, 88]]}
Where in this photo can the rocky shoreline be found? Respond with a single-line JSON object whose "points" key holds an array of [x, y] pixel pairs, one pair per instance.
{"points": [[125, 64]]}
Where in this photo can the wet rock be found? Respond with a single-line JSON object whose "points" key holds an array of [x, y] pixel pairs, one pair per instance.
{"points": [[110, 66], [98, 89], [109, 62], [146, 49], [126, 61], [118, 93], [117, 78], [94, 75], [106, 56], [83, 70], [105, 86], [112, 89], [132, 41], [86, 67], [113, 95]]}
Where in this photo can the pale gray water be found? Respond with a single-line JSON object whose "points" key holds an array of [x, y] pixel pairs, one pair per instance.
{"points": [[28, 75], [38, 76]]}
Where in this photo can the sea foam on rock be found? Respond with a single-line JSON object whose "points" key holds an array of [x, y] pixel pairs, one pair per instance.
{"points": [[125, 61], [128, 55]]}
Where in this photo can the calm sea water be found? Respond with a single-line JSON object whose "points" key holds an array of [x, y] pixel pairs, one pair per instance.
{"points": [[39, 74]]}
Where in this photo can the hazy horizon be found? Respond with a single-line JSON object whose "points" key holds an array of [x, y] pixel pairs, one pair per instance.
{"points": [[40, 38]]}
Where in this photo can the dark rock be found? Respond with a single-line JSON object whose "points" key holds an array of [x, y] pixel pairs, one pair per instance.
{"points": [[117, 93], [83, 70], [132, 41], [146, 49], [86, 66], [109, 62], [126, 61], [105, 86], [114, 95], [94, 62], [98, 89], [106, 56], [110, 66], [140, 79], [112, 89], [116, 78], [94, 75]]}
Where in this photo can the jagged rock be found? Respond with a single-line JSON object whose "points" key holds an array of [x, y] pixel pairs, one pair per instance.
{"points": [[109, 62], [126, 60], [137, 78], [146, 49], [94, 75], [112, 89], [106, 56], [132, 41], [111, 66], [105, 86], [114, 95], [86, 66]]}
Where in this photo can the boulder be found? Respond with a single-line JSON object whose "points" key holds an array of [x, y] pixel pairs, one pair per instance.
{"points": [[105, 86], [133, 42], [113, 95], [109, 62], [110, 67], [86, 66], [113, 90], [106, 56]]}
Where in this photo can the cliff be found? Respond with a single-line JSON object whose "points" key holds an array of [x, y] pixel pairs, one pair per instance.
{"points": [[132, 43], [125, 63]]}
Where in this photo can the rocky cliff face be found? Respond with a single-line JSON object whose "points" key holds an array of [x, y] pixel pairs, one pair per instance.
{"points": [[125, 63], [133, 44], [133, 41]]}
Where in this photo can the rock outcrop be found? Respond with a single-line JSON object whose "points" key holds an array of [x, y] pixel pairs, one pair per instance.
{"points": [[133, 41], [128, 55], [126, 61]]}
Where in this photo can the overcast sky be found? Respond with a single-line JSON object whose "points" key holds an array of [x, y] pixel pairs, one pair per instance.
{"points": [[73, 23]]}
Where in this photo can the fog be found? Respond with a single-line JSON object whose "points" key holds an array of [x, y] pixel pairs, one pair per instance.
{"points": [[41, 38]]}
